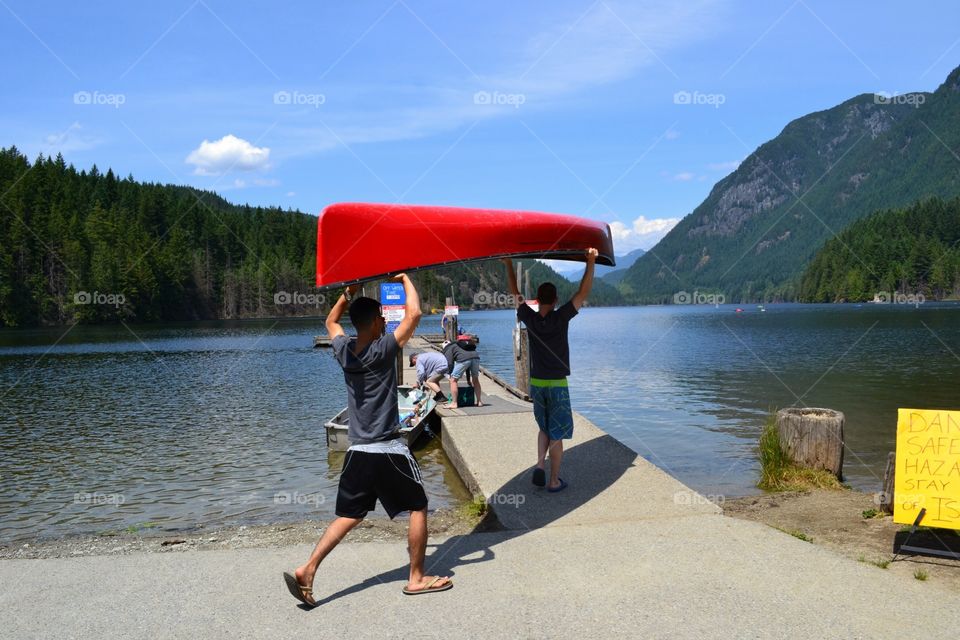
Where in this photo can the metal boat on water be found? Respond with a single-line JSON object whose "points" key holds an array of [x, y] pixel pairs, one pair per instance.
{"points": [[416, 416]]}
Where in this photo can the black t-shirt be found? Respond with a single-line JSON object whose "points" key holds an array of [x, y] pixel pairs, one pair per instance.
{"points": [[549, 349], [371, 377]]}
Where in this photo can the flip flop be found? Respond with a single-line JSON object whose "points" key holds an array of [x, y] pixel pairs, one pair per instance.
{"points": [[298, 591], [429, 588], [563, 485], [539, 477]]}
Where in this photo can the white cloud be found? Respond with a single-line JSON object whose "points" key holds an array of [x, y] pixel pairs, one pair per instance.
{"points": [[610, 42], [226, 154], [239, 183], [562, 266], [683, 176], [290, 194], [70, 139], [724, 166], [643, 233], [607, 43]]}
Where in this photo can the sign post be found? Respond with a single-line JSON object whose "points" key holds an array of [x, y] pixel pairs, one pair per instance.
{"points": [[393, 300], [451, 313]]}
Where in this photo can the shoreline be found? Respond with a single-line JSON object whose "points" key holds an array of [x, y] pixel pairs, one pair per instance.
{"points": [[832, 519], [427, 314], [444, 522]]}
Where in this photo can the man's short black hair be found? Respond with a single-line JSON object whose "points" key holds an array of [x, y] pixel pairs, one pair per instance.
{"points": [[547, 293], [363, 311]]}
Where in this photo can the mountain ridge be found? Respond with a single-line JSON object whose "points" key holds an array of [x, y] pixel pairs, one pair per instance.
{"points": [[760, 225]]}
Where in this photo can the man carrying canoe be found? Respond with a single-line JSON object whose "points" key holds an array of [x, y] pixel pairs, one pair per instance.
{"points": [[378, 464], [550, 366]]}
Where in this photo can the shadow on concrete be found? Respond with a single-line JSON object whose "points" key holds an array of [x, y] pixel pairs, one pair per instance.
{"points": [[589, 468]]}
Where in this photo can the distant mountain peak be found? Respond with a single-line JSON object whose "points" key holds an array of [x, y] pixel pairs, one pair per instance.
{"points": [[753, 234]]}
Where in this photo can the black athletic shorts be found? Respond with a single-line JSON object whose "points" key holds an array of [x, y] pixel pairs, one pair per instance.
{"points": [[394, 478]]}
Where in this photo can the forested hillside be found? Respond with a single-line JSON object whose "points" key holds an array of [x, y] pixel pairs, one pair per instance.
{"points": [[86, 246], [912, 251]]}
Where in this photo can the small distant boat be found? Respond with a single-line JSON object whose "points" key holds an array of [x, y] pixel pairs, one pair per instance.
{"points": [[416, 412], [761, 307]]}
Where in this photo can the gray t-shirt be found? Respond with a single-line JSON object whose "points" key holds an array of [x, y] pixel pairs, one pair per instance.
{"points": [[549, 349], [429, 364], [371, 378]]}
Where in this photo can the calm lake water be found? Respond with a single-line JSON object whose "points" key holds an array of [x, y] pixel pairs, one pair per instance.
{"points": [[222, 423]]}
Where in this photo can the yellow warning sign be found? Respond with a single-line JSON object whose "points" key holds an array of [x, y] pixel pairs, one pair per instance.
{"points": [[928, 468]]}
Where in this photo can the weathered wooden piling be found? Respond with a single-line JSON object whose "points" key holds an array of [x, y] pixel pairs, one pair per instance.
{"points": [[886, 494], [450, 328], [521, 358], [813, 437]]}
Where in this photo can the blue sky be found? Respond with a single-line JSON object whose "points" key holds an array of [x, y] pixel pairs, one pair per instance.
{"points": [[556, 106]]}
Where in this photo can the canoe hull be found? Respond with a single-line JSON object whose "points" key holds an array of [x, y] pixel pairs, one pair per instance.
{"points": [[358, 242]]}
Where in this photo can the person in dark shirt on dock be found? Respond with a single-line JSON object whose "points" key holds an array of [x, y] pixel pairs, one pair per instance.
{"points": [[550, 366], [378, 464], [461, 360]]}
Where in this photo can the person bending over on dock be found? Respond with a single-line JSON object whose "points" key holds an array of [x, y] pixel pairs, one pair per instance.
{"points": [[378, 464], [460, 361], [550, 366], [431, 367]]}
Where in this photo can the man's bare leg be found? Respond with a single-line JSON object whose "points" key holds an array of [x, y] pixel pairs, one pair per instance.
{"points": [[453, 394], [476, 388], [336, 532], [542, 442], [433, 386], [417, 544], [556, 456]]}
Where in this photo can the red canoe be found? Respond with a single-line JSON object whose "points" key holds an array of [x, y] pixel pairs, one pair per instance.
{"points": [[358, 241]]}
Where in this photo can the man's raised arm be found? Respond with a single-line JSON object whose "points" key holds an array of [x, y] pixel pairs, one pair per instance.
{"points": [[334, 328], [412, 312], [587, 282], [512, 280]]}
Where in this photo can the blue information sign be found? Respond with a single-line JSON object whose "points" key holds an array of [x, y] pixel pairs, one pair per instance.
{"points": [[392, 293], [392, 300]]}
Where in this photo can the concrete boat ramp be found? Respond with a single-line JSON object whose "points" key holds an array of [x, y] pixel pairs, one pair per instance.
{"points": [[625, 551]]}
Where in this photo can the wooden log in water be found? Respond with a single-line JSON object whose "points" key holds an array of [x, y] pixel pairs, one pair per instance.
{"points": [[813, 438], [886, 495]]}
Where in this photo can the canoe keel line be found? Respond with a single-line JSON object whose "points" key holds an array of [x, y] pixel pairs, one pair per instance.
{"points": [[357, 242]]}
